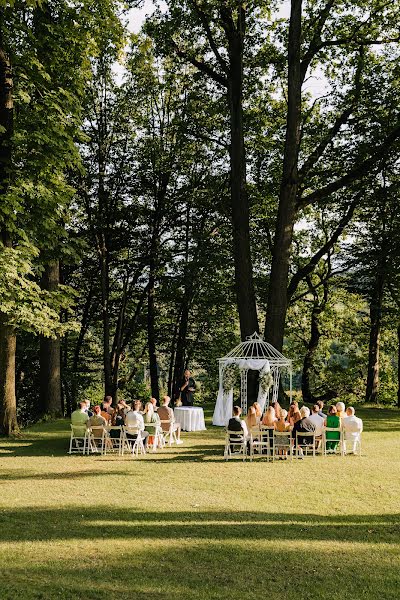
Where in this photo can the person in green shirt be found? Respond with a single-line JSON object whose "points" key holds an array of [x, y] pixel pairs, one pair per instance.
{"points": [[332, 437]]}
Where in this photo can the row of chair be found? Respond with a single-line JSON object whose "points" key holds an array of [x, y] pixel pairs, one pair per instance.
{"points": [[272, 444], [117, 439]]}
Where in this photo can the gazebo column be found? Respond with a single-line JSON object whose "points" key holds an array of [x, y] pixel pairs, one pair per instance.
{"points": [[243, 390]]}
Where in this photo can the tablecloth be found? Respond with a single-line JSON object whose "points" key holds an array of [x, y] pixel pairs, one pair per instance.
{"points": [[191, 418]]}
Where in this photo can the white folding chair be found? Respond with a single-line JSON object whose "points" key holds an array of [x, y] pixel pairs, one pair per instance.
{"points": [[353, 442], [339, 443], [135, 443], [261, 442], [114, 442], [155, 431], [168, 429], [78, 440], [97, 439], [303, 448], [283, 446], [235, 444]]}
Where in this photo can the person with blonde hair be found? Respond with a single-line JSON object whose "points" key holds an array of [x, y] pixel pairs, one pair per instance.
{"points": [[251, 418], [340, 410], [151, 420], [277, 409], [281, 424], [294, 413], [269, 418], [258, 411]]}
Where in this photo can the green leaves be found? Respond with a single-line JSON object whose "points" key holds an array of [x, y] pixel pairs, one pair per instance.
{"points": [[24, 303]]}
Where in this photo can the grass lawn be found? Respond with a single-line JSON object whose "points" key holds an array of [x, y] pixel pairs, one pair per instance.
{"points": [[183, 524]]}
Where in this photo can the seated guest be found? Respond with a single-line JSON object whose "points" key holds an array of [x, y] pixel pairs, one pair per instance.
{"points": [[97, 420], [352, 427], [106, 405], [317, 420], [117, 420], [134, 418], [258, 411], [236, 424], [151, 420], [251, 418], [281, 424], [79, 419], [294, 413], [269, 418], [277, 409], [166, 413], [125, 406], [340, 410], [304, 425], [89, 412], [107, 411], [332, 437], [154, 403], [321, 408]]}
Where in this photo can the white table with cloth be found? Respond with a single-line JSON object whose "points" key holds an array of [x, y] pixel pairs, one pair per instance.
{"points": [[191, 418]]}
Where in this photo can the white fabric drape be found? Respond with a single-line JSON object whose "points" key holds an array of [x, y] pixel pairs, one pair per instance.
{"points": [[223, 407], [224, 403]]}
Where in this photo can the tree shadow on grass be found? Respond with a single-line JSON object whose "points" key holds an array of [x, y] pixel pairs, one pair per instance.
{"points": [[200, 555], [29, 524], [14, 475]]}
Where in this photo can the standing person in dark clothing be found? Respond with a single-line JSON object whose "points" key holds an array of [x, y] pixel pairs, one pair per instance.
{"points": [[188, 388]]}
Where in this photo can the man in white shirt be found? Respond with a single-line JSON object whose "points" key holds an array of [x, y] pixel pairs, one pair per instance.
{"points": [[134, 418], [352, 427], [317, 420]]}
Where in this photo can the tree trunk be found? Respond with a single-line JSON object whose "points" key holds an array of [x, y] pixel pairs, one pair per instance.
{"points": [[245, 293], [8, 403], [398, 366], [375, 311], [151, 333], [278, 283], [50, 354], [315, 335], [311, 349], [180, 354], [104, 284]]}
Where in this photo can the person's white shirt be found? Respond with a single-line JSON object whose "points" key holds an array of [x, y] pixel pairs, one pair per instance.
{"points": [[318, 422], [352, 427], [134, 419]]}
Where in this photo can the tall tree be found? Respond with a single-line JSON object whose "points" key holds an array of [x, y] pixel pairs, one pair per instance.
{"points": [[310, 41], [211, 36]]}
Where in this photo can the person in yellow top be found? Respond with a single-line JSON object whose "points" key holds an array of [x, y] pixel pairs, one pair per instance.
{"points": [[79, 419], [281, 424]]}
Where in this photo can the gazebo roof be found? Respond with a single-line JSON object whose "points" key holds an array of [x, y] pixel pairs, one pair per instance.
{"points": [[255, 347]]}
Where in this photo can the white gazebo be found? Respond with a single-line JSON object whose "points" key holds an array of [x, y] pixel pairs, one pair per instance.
{"points": [[252, 354]]}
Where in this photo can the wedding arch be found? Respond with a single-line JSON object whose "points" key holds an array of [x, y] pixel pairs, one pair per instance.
{"points": [[252, 354]]}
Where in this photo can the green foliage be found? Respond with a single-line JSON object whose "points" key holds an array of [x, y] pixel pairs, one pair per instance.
{"points": [[24, 303]]}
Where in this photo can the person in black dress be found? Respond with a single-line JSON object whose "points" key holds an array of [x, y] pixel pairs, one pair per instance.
{"points": [[188, 388]]}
